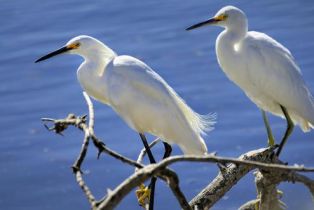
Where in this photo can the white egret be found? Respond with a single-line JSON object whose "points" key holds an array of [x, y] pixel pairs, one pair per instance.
{"points": [[264, 69], [138, 95]]}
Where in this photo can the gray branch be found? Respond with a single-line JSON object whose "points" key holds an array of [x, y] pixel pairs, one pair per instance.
{"points": [[269, 175], [227, 178]]}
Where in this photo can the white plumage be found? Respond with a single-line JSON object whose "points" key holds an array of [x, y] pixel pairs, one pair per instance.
{"points": [[263, 68], [138, 94], [266, 71]]}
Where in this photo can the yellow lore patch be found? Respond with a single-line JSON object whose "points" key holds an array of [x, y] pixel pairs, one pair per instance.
{"points": [[221, 17], [73, 46]]}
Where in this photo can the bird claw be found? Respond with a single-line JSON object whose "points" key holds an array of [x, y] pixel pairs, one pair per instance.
{"points": [[143, 195]]}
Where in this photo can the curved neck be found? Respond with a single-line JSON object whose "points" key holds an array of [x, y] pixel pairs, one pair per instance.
{"points": [[98, 57], [228, 44], [91, 73], [234, 33], [238, 30], [230, 39]]}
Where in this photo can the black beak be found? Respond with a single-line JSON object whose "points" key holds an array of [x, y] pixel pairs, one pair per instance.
{"points": [[204, 23], [57, 52]]}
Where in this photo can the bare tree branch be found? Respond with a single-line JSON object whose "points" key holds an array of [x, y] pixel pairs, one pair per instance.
{"points": [[268, 197], [80, 122], [102, 148], [227, 178], [222, 184], [174, 185], [224, 160], [91, 113], [267, 192], [309, 183], [143, 151], [111, 200], [231, 171], [172, 178], [91, 199]]}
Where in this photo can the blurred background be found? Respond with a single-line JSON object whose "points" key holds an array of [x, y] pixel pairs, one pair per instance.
{"points": [[35, 165]]}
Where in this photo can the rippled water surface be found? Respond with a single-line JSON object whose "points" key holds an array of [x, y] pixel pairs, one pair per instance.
{"points": [[35, 164]]}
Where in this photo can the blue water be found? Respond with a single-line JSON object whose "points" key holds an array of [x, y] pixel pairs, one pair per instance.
{"points": [[35, 164]]}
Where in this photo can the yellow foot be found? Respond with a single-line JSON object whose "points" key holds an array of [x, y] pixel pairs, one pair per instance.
{"points": [[143, 195], [256, 206]]}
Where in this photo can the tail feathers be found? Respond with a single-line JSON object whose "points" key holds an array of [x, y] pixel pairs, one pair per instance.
{"points": [[306, 126], [310, 121], [306, 118], [303, 122], [205, 123], [198, 148], [199, 123]]}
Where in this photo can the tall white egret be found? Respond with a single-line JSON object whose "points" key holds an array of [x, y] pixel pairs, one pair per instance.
{"points": [[264, 69], [139, 96]]}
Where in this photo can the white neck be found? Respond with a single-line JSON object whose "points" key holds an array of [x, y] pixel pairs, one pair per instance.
{"points": [[91, 72], [227, 45], [99, 57], [229, 41], [232, 36]]}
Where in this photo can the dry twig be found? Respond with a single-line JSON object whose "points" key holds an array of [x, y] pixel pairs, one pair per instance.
{"points": [[225, 180]]}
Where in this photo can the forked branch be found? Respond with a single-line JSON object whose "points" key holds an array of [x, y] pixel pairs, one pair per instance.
{"points": [[231, 171]]}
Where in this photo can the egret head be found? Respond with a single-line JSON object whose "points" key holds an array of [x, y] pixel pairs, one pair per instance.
{"points": [[82, 45], [227, 17]]}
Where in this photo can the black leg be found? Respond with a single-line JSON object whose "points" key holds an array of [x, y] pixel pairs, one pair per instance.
{"points": [[152, 192], [149, 152], [152, 184], [153, 179], [168, 150], [289, 130]]}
